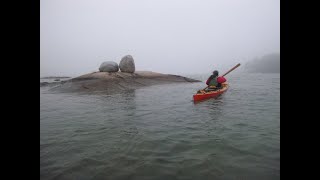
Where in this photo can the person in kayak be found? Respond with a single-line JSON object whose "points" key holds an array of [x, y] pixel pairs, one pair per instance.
{"points": [[214, 81]]}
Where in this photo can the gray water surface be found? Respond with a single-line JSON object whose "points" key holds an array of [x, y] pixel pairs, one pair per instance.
{"points": [[158, 132]]}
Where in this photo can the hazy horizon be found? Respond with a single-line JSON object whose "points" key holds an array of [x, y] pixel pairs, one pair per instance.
{"points": [[177, 37]]}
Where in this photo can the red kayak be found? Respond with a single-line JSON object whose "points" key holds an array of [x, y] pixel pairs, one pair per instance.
{"points": [[203, 95]]}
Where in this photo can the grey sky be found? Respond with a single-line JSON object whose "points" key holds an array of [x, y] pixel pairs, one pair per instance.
{"points": [[167, 36]]}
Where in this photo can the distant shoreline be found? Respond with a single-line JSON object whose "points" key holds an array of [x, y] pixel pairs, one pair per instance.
{"points": [[269, 63]]}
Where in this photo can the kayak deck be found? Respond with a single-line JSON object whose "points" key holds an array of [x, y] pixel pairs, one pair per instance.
{"points": [[203, 95]]}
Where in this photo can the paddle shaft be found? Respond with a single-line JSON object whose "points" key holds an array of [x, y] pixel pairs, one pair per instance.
{"points": [[231, 69]]}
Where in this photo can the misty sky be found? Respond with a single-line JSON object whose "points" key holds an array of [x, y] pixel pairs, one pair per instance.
{"points": [[166, 36]]}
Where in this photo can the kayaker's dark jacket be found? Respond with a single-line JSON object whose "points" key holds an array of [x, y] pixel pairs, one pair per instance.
{"points": [[212, 81]]}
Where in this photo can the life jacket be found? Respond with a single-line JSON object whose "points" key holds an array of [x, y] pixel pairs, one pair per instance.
{"points": [[221, 79]]}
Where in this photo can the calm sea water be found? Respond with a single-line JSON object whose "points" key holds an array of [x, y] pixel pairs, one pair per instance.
{"points": [[158, 132]]}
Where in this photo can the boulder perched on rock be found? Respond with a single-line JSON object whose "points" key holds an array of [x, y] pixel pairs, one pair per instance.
{"points": [[127, 64], [109, 66]]}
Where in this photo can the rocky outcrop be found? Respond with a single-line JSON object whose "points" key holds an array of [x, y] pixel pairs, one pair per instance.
{"points": [[114, 82]]}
